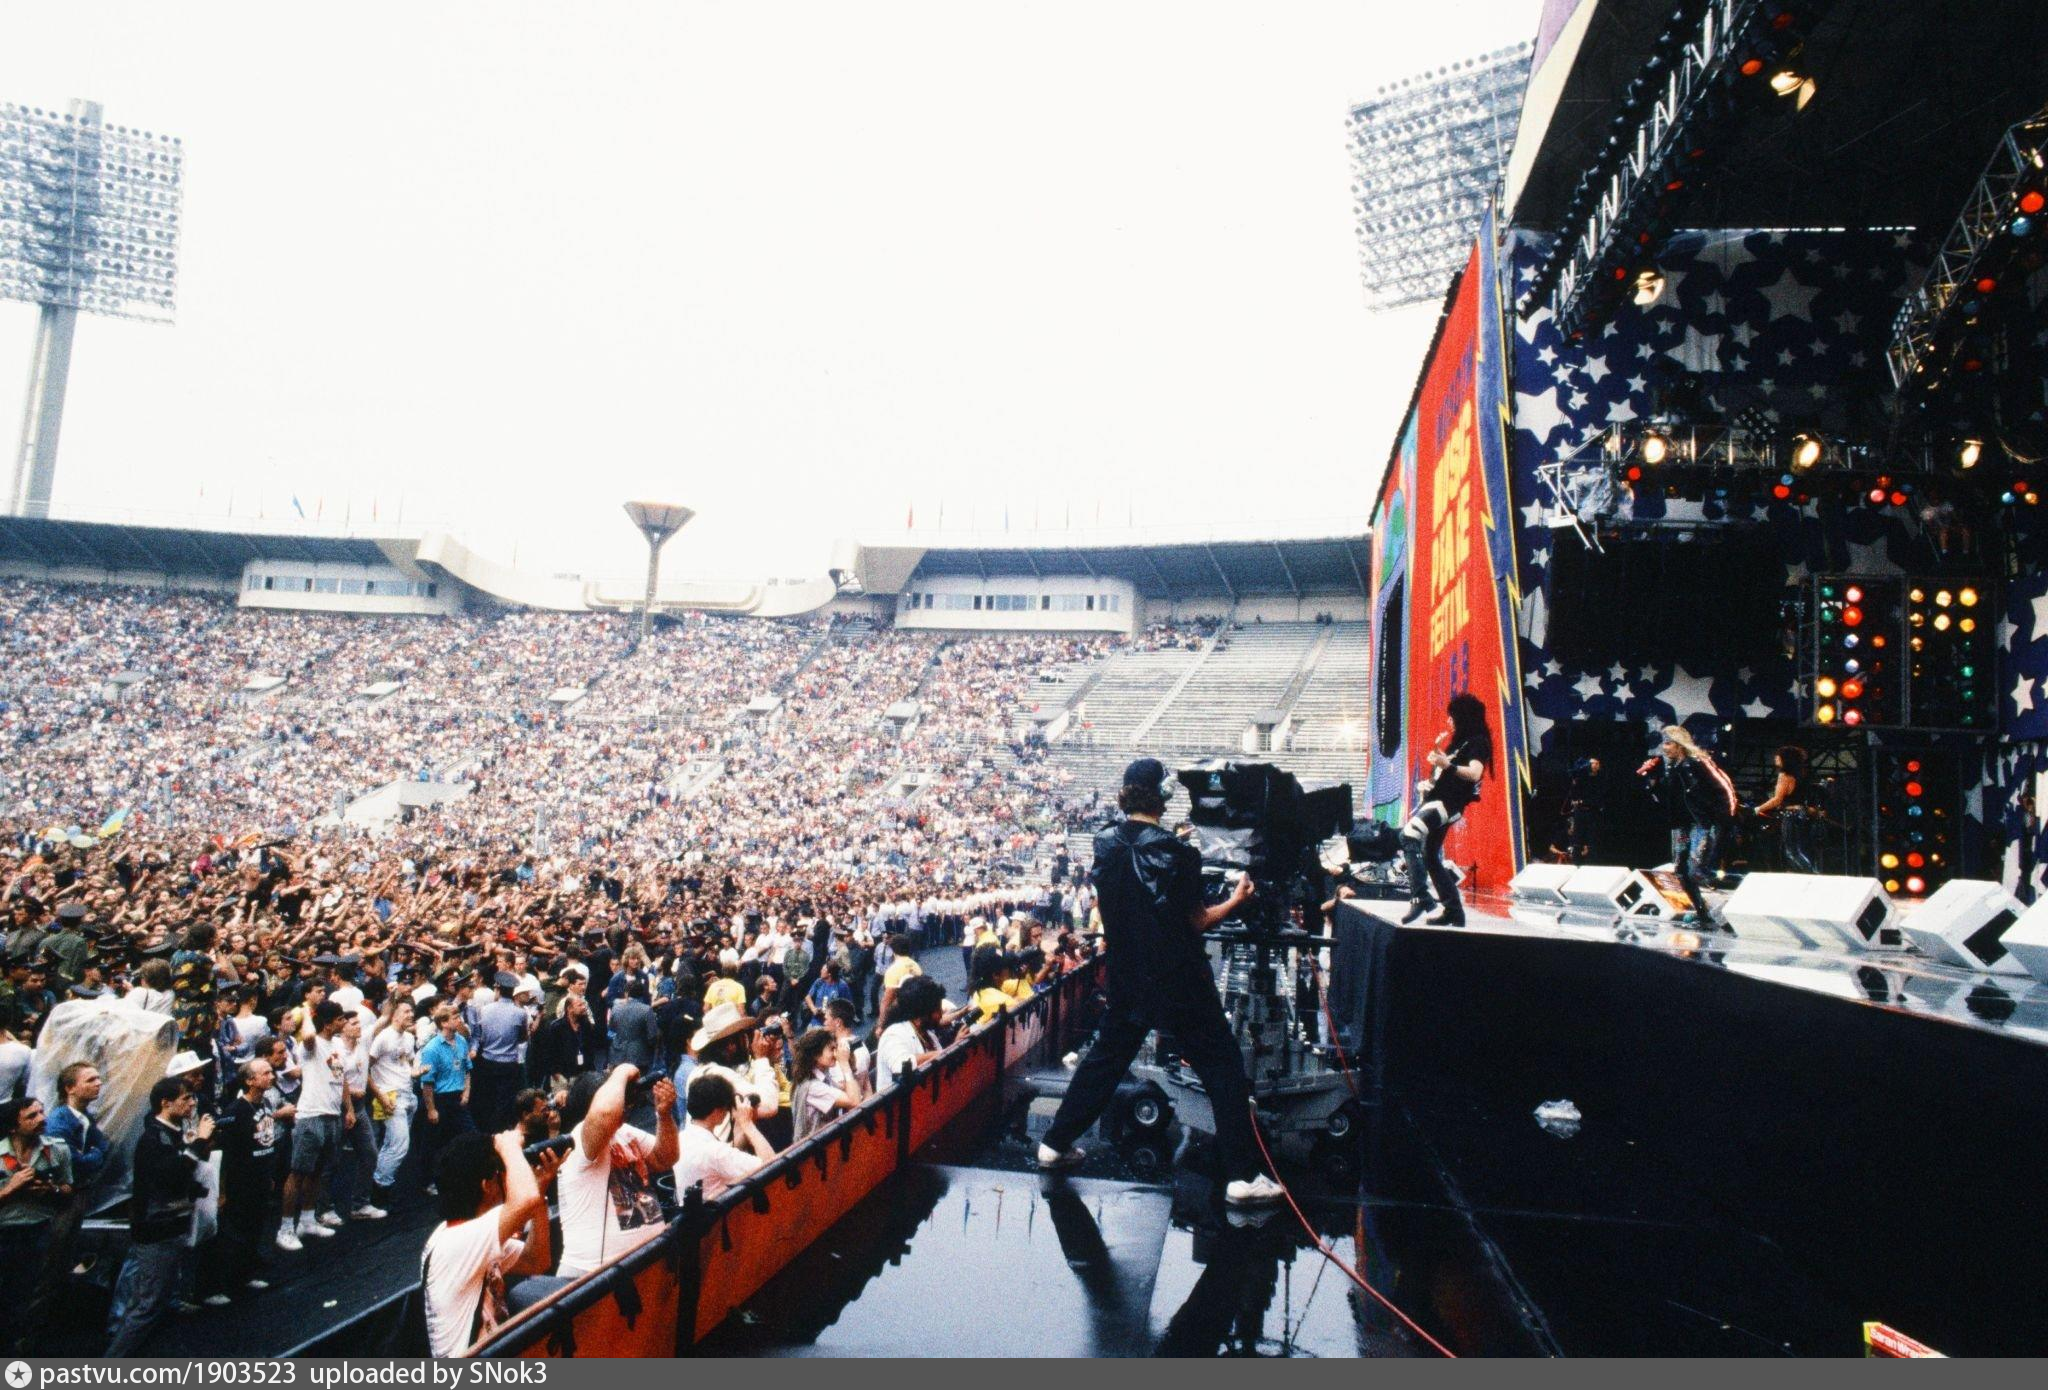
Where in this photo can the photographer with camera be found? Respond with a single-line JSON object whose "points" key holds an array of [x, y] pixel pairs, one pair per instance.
{"points": [[1149, 884], [704, 1157], [605, 1189]]}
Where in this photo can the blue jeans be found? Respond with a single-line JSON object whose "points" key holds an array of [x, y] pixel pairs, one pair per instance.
{"points": [[1699, 853], [396, 1139], [142, 1293]]}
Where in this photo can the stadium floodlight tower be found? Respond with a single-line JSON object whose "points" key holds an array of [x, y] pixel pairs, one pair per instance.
{"points": [[88, 221], [658, 521], [1426, 155]]}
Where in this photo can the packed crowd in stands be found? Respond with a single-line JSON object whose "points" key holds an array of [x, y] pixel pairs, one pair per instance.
{"points": [[681, 978]]}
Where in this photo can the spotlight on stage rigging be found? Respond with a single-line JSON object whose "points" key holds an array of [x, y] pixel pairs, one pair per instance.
{"points": [[1656, 448], [1807, 450], [1971, 451], [1649, 286]]}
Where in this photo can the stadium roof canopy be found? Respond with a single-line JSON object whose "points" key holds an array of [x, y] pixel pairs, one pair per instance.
{"points": [[98, 545], [1910, 99], [1230, 569]]}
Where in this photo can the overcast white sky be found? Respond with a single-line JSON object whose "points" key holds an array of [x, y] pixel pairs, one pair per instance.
{"points": [[802, 266]]}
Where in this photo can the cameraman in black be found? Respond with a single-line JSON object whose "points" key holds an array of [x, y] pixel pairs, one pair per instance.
{"points": [[1150, 892]]}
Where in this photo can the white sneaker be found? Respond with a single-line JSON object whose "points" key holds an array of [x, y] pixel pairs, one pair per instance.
{"points": [[288, 1239], [368, 1213], [216, 1300], [1049, 1157], [1256, 1192], [332, 1218], [310, 1227]]}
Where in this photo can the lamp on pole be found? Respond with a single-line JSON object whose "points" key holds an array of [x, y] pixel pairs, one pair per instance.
{"points": [[658, 521]]}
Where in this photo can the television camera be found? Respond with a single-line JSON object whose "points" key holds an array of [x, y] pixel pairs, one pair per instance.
{"points": [[1256, 819]]}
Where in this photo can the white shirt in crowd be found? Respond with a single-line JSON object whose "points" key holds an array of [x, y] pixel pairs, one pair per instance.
{"points": [[393, 1054], [320, 1068], [14, 1062], [591, 1233], [463, 1264], [702, 1156], [899, 1046]]}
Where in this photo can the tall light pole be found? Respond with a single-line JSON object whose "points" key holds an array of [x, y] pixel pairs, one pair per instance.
{"points": [[658, 521], [88, 223]]}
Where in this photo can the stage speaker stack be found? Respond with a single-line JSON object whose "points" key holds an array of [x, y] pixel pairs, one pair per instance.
{"points": [[2027, 941], [1814, 912], [1536, 895], [1604, 897], [1969, 922]]}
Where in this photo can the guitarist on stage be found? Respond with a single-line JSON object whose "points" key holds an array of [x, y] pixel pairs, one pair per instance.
{"points": [[1460, 759]]}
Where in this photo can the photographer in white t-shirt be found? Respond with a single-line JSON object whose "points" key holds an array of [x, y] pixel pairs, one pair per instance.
{"points": [[605, 1190]]}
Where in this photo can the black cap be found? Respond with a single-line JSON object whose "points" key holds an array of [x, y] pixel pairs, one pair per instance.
{"points": [[1148, 773]]}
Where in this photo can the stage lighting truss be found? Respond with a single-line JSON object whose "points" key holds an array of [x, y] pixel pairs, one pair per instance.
{"points": [[2004, 213], [1622, 211], [1427, 154], [88, 214]]}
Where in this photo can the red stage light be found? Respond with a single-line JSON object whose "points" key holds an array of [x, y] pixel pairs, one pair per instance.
{"points": [[1913, 765], [1898, 499], [1852, 690], [2033, 201], [1987, 285], [1852, 617], [1914, 789], [1877, 497], [1780, 491], [1854, 716], [1879, 640], [1751, 66], [1916, 860]]}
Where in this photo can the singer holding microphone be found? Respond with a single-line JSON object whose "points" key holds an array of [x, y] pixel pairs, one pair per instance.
{"points": [[1459, 762], [1149, 890]]}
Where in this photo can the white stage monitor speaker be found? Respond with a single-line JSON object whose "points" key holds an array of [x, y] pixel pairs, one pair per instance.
{"points": [[2026, 941], [1601, 892], [1541, 884], [1967, 923], [1824, 912], [1535, 895]]}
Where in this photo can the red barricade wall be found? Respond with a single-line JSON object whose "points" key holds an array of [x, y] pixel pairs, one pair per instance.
{"points": [[713, 1258]]}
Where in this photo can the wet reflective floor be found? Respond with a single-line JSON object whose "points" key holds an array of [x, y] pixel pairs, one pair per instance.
{"points": [[1541, 1246]]}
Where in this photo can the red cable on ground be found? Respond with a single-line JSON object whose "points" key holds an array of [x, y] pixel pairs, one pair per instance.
{"points": [[1332, 1256]]}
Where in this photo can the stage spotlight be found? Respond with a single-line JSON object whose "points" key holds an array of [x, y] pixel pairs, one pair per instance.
{"points": [[1656, 448], [1967, 598], [1806, 451], [1943, 598], [1649, 286], [1967, 456], [1854, 716], [2033, 201], [1825, 714], [1825, 687], [1987, 285], [1941, 622], [1853, 594], [1967, 625]]}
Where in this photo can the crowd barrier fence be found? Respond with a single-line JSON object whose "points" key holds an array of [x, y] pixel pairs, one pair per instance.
{"points": [[661, 1297]]}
